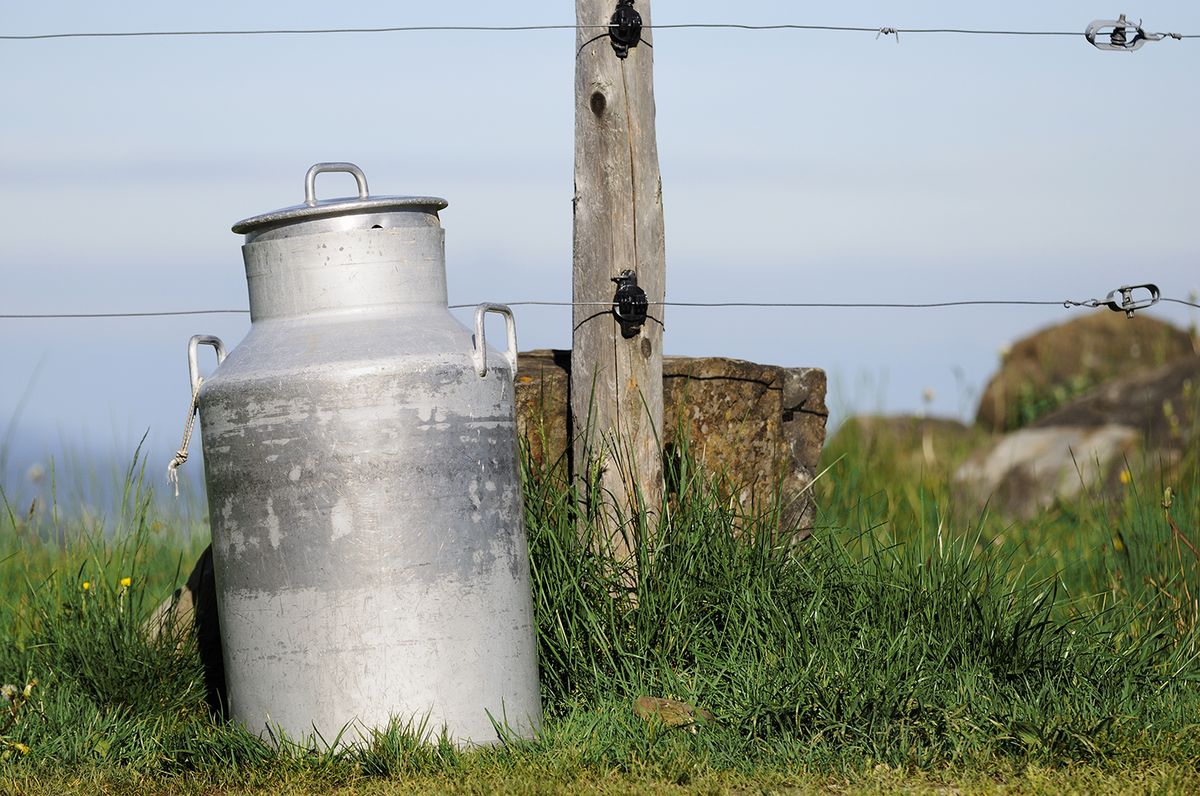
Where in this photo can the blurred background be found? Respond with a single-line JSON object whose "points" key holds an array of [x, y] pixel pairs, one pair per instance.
{"points": [[797, 166]]}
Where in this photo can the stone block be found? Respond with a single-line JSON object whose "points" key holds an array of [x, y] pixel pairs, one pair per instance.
{"points": [[757, 427]]}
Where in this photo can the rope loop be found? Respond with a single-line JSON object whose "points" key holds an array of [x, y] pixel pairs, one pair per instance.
{"points": [[181, 455]]}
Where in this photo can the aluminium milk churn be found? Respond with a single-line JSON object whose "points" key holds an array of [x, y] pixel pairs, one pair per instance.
{"points": [[360, 458]]}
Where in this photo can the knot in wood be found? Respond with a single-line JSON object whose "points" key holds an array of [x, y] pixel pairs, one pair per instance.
{"points": [[598, 102]]}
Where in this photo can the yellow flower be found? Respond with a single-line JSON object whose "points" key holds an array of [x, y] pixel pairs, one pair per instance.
{"points": [[87, 584], [1126, 477], [126, 582]]}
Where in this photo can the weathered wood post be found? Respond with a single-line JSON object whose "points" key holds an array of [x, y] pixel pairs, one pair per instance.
{"points": [[616, 374]]}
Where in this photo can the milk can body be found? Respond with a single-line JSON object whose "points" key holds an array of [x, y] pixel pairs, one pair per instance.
{"points": [[360, 459]]}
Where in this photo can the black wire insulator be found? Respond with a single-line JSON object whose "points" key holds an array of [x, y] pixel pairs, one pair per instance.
{"points": [[625, 28]]}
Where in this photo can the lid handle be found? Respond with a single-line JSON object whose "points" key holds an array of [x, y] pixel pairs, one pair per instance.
{"points": [[310, 180]]}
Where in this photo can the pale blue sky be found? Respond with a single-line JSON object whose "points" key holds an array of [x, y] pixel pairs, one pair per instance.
{"points": [[796, 166]]}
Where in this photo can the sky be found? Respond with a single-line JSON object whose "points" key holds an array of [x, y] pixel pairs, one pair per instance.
{"points": [[796, 166]]}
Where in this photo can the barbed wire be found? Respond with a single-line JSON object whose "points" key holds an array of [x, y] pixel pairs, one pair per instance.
{"points": [[878, 30], [1066, 303]]}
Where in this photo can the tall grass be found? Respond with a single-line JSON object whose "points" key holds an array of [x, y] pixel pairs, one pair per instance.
{"points": [[855, 646], [896, 636]]}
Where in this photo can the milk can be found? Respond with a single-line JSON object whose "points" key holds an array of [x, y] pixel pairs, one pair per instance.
{"points": [[360, 456]]}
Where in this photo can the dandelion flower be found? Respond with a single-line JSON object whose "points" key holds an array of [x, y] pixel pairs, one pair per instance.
{"points": [[1126, 477], [126, 582], [87, 584]]}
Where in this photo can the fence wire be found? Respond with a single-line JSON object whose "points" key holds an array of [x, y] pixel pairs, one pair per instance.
{"points": [[883, 30], [1065, 303]]}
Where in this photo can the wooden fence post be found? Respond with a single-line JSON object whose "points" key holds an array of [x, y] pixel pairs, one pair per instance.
{"points": [[616, 381]]}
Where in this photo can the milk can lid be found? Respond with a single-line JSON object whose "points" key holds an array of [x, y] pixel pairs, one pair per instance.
{"points": [[314, 208]]}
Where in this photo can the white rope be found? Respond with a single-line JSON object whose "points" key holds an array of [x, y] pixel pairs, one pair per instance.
{"points": [[181, 455]]}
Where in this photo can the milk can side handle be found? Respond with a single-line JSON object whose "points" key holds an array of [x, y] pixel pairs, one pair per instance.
{"points": [[480, 353], [181, 455], [193, 352], [310, 180]]}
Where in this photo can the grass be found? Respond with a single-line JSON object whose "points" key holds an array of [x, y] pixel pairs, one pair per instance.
{"points": [[902, 646]]}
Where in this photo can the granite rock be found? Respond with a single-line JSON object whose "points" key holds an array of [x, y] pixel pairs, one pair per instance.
{"points": [[1053, 366], [1149, 416]]}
